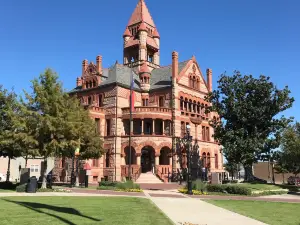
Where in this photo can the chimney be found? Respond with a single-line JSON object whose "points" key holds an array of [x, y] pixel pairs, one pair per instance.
{"points": [[99, 64], [209, 79], [174, 64], [84, 66], [79, 82]]}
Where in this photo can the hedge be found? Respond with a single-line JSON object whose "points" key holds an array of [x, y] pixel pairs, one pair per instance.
{"points": [[229, 188]]}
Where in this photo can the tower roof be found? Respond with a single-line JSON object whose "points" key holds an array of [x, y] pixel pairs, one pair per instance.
{"points": [[141, 14], [143, 27], [127, 33], [144, 68]]}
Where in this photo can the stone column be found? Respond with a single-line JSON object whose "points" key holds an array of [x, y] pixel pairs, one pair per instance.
{"points": [[131, 131], [142, 126], [153, 126], [138, 159], [163, 127], [123, 160], [170, 160], [157, 159]]}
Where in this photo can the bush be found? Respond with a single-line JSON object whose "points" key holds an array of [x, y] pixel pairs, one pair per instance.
{"points": [[8, 185], [229, 188], [127, 185], [21, 188], [199, 185], [229, 181], [108, 183], [106, 188]]}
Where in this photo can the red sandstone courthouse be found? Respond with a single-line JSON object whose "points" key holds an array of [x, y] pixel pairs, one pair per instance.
{"points": [[106, 92]]}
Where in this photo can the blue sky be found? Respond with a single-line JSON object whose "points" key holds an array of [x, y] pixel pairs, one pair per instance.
{"points": [[255, 37]]}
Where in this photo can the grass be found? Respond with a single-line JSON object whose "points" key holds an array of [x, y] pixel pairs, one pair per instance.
{"points": [[274, 213], [6, 190], [80, 210]]}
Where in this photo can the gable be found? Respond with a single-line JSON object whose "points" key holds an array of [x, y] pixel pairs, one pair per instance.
{"points": [[192, 72]]}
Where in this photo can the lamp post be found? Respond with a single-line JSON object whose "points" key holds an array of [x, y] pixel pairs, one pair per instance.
{"points": [[188, 150]]}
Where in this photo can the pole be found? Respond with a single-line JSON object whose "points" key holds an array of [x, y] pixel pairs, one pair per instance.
{"points": [[190, 191], [130, 126], [173, 131]]}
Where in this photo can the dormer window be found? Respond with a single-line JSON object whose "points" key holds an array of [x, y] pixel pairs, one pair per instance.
{"points": [[150, 58]]}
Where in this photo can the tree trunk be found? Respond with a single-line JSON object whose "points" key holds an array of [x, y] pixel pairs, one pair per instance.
{"points": [[44, 183], [26, 160], [248, 173], [8, 170], [273, 174], [283, 178]]}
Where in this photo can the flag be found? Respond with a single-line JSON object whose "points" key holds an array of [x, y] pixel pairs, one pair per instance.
{"points": [[131, 93]]}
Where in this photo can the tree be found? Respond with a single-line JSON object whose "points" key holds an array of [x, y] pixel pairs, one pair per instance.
{"points": [[232, 168], [59, 123], [289, 159], [248, 108]]}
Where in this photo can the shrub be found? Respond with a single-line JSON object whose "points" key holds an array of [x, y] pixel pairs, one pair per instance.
{"points": [[106, 188], [108, 183], [229, 188], [8, 185], [127, 185], [21, 188], [199, 185], [195, 192]]}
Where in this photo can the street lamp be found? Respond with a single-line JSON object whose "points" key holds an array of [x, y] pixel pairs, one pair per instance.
{"points": [[188, 150]]}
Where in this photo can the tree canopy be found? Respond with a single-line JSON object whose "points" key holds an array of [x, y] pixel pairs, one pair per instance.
{"points": [[59, 123], [289, 159], [248, 108]]}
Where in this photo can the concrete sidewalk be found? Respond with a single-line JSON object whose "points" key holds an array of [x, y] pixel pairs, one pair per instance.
{"points": [[195, 211]]}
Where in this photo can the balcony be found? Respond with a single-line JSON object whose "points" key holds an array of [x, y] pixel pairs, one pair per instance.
{"points": [[142, 112]]}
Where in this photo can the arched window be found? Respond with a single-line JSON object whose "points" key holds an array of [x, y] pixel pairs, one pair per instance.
{"points": [[182, 128], [190, 81], [107, 161], [100, 104], [204, 159], [87, 84], [91, 84], [194, 82], [94, 83], [202, 109], [181, 103], [194, 107], [190, 105], [185, 104], [216, 161], [89, 100], [198, 107], [208, 160]]}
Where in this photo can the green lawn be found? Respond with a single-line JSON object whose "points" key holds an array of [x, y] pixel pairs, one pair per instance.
{"points": [[80, 210], [274, 213], [6, 190]]}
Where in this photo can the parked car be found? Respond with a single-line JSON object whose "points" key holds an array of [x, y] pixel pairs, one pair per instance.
{"points": [[293, 180], [2, 177]]}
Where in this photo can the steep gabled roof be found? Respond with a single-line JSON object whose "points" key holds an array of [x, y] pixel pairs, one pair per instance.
{"points": [[141, 14], [162, 77]]}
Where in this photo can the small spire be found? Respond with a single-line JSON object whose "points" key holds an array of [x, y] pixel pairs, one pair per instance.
{"points": [[156, 34], [127, 33]]}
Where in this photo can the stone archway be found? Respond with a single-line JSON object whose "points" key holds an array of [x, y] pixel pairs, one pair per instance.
{"points": [[164, 157], [147, 159], [133, 156]]}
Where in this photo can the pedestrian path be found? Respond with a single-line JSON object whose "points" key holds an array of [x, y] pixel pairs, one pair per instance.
{"points": [[194, 211]]}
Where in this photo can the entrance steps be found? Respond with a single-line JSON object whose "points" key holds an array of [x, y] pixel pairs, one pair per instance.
{"points": [[148, 178]]}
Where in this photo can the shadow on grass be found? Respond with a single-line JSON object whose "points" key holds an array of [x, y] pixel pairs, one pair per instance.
{"points": [[37, 206]]}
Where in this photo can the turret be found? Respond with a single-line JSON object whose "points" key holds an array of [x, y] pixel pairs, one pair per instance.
{"points": [[144, 74]]}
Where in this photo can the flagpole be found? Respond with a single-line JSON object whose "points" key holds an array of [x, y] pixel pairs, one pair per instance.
{"points": [[130, 121]]}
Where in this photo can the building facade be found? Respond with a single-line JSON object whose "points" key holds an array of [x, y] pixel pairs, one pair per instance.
{"points": [[106, 92]]}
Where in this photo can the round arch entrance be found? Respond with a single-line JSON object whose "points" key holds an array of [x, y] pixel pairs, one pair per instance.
{"points": [[147, 159]]}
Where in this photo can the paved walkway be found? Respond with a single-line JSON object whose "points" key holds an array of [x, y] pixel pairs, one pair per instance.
{"points": [[195, 211]]}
